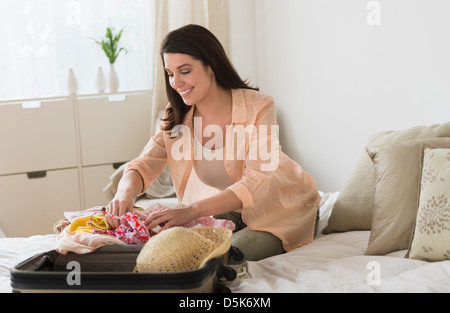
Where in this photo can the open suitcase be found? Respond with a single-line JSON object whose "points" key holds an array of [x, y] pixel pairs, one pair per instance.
{"points": [[110, 269]]}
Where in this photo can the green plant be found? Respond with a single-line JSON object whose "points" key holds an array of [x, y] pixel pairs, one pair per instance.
{"points": [[110, 44]]}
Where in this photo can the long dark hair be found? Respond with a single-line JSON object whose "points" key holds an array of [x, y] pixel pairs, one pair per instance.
{"points": [[202, 45]]}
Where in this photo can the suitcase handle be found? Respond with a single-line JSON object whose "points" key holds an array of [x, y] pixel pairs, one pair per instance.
{"points": [[229, 273], [236, 254]]}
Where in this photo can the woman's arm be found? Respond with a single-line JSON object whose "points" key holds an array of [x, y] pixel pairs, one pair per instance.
{"points": [[138, 176], [130, 186], [224, 202]]}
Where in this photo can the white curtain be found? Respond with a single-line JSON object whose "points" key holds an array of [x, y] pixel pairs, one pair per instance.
{"points": [[172, 14]]}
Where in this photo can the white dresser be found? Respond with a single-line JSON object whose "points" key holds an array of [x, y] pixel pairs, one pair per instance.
{"points": [[58, 155]]}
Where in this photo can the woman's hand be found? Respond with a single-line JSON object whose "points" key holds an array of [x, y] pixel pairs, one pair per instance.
{"points": [[178, 216], [120, 205], [129, 187], [224, 202]]}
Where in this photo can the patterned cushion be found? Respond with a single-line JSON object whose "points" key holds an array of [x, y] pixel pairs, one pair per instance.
{"points": [[431, 239]]}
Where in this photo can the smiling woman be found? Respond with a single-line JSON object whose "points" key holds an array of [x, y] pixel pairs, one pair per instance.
{"points": [[42, 39], [273, 207], [194, 45]]}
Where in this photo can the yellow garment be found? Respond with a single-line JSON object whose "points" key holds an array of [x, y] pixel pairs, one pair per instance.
{"points": [[88, 224]]}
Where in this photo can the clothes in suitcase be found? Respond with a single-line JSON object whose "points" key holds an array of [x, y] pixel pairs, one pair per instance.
{"points": [[111, 269]]}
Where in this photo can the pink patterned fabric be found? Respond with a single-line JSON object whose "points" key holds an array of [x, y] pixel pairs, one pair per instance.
{"points": [[209, 221], [133, 234], [199, 222]]}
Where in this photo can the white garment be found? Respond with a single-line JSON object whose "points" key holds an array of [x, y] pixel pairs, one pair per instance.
{"points": [[212, 172], [198, 189]]}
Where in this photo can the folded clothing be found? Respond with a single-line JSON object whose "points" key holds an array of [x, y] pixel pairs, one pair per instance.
{"points": [[84, 231], [135, 233], [89, 224], [88, 233], [72, 216], [82, 243]]}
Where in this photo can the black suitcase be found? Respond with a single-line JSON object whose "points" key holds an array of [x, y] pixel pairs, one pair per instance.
{"points": [[110, 269]]}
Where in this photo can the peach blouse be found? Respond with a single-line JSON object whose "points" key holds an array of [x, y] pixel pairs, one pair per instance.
{"points": [[277, 195]]}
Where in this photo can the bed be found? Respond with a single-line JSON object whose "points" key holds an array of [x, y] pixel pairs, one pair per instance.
{"points": [[336, 263], [333, 263], [387, 230]]}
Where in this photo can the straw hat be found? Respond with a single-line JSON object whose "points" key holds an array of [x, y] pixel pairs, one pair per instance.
{"points": [[182, 249]]}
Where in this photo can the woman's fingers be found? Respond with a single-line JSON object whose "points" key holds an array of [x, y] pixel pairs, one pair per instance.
{"points": [[169, 217], [110, 209], [117, 208], [156, 219]]}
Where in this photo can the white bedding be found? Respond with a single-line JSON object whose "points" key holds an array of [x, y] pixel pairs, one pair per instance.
{"points": [[15, 250], [336, 263], [333, 263]]}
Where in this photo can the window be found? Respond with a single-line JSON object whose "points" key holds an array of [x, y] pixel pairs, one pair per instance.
{"points": [[42, 39]]}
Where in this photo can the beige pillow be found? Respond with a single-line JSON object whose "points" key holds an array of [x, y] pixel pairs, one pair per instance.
{"points": [[397, 172], [354, 206], [431, 240]]}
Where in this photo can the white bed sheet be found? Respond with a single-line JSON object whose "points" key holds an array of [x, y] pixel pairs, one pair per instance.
{"points": [[336, 263], [333, 263], [15, 250]]}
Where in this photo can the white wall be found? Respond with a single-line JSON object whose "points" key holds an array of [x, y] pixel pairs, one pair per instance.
{"points": [[243, 38], [336, 79]]}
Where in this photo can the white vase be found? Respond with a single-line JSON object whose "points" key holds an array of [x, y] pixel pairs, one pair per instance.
{"points": [[72, 83], [113, 79], [100, 82]]}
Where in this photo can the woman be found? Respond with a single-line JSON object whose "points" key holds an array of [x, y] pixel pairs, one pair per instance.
{"points": [[270, 198]]}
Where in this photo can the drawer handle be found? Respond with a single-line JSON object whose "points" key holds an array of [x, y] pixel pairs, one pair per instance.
{"points": [[35, 175]]}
